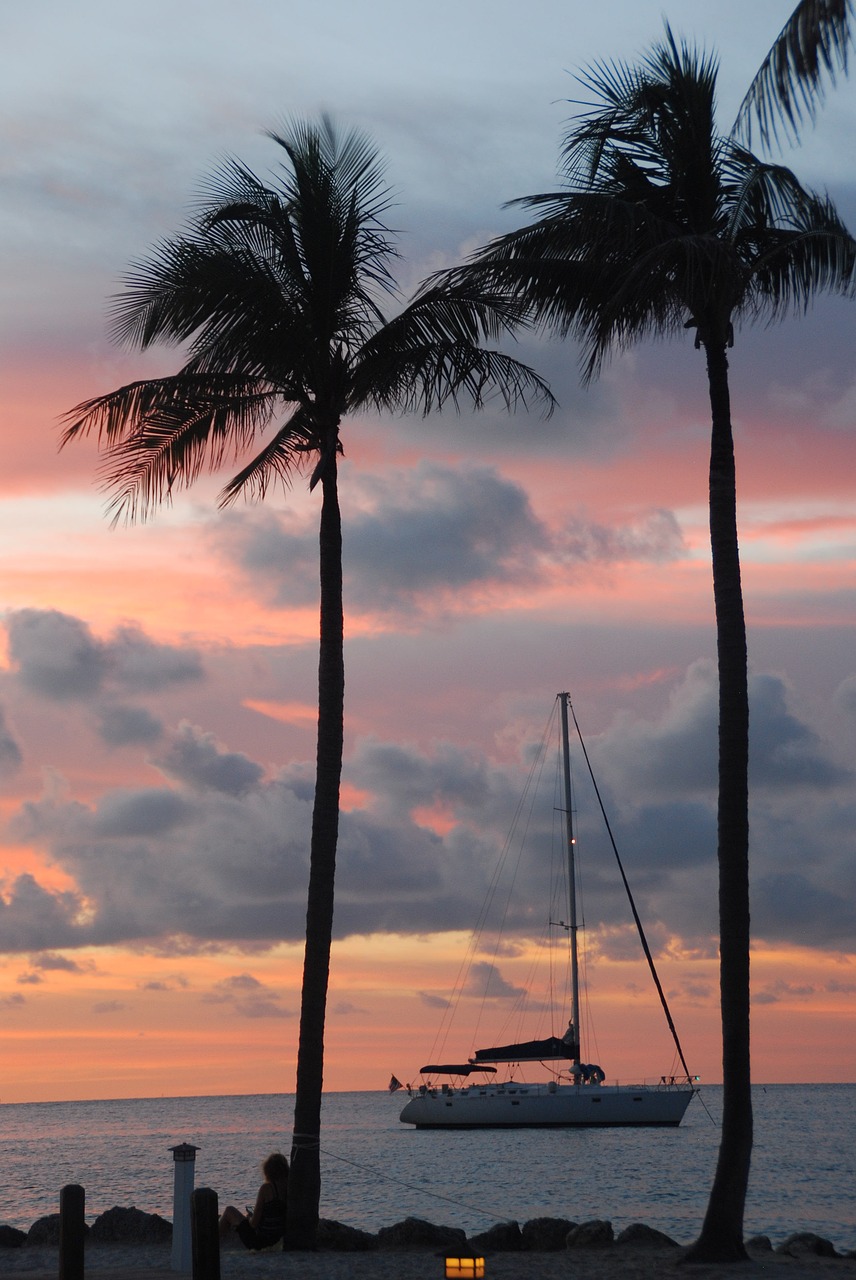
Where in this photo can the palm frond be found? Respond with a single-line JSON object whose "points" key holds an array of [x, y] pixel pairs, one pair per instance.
{"points": [[426, 377], [258, 217], [813, 45], [337, 197], [352, 161], [600, 268], [161, 434], [815, 252], [123, 412], [642, 113], [760, 194], [210, 292], [432, 352], [278, 460]]}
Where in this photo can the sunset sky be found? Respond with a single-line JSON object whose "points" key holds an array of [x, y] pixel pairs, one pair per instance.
{"points": [[157, 689]]}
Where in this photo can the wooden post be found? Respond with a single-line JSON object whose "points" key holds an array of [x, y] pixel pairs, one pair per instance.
{"points": [[205, 1222], [72, 1200]]}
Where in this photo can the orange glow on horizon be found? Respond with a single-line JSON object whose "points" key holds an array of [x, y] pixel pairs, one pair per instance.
{"points": [[182, 1032]]}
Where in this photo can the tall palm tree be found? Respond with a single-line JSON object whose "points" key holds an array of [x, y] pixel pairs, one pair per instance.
{"points": [[663, 225], [812, 46], [275, 291]]}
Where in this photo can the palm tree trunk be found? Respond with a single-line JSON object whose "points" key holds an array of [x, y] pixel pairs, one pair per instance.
{"points": [[304, 1185], [721, 1238]]}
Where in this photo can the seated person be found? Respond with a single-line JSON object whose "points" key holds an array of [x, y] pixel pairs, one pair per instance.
{"points": [[266, 1224]]}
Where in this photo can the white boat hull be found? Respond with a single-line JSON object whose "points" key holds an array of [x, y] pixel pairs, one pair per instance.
{"points": [[539, 1106]]}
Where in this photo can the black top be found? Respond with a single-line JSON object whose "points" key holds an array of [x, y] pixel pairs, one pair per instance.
{"points": [[272, 1226]]}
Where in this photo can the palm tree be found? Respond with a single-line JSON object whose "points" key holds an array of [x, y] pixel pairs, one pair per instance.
{"points": [[813, 44], [664, 225], [275, 291]]}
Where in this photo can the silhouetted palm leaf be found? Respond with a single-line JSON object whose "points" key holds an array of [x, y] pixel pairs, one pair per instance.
{"points": [[811, 47]]}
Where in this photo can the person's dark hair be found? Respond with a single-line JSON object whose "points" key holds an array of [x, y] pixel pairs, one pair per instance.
{"points": [[275, 1167]]}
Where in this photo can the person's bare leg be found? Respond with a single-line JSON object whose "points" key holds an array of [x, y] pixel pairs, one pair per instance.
{"points": [[229, 1219]]}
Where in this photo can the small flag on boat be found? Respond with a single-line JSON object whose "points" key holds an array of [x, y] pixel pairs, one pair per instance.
{"points": [[394, 1084]]}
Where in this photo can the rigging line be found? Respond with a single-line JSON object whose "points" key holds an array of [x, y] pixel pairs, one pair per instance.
{"points": [[586, 1031], [448, 1018], [586, 1016], [528, 1002], [434, 1195], [707, 1109], [523, 814], [640, 930]]}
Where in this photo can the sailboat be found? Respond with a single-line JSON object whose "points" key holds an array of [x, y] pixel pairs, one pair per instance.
{"points": [[468, 1094]]}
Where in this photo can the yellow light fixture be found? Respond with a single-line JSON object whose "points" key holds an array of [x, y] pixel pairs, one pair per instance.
{"points": [[464, 1266]]}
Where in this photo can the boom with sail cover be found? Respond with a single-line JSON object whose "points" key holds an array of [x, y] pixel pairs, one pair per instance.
{"points": [[454, 1069], [550, 1050]]}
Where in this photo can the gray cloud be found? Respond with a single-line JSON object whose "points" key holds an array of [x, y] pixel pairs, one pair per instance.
{"points": [[57, 657], [484, 979], [654, 539], [403, 777], [785, 752], [433, 527], [239, 983], [248, 997], [194, 758], [10, 753], [257, 1007], [35, 919], [845, 697], [122, 726], [773, 992], [342, 1008], [142, 666], [434, 1001], [680, 751], [55, 654], [177, 983], [49, 962], [432, 533], [788, 906], [149, 812], [845, 988], [191, 868], [694, 992]]}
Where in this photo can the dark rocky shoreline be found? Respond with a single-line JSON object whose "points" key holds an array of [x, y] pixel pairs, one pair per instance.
{"points": [[131, 1226]]}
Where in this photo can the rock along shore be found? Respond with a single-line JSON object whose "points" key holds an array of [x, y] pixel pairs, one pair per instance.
{"points": [[126, 1244]]}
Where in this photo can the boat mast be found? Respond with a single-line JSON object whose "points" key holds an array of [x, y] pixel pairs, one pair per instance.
{"points": [[565, 701]]}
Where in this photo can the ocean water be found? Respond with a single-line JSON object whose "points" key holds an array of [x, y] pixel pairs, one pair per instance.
{"points": [[377, 1171]]}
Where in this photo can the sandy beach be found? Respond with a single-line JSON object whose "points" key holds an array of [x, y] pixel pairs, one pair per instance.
{"points": [[142, 1262]]}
